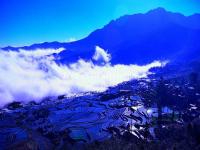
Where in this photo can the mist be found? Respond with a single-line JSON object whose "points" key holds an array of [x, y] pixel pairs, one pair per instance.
{"points": [[32, 75]]}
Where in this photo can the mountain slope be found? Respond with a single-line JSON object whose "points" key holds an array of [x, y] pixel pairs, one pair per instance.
{"points": [[139, 38]]}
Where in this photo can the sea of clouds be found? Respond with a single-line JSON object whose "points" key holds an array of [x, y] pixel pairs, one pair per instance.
{"points": [[28, 75]]}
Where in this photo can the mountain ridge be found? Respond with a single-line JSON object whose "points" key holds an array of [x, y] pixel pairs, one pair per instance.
{"points": [[113, 20], [157, 34]]}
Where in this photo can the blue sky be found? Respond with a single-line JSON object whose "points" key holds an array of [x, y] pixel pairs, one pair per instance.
{"points": [[23, 22]]}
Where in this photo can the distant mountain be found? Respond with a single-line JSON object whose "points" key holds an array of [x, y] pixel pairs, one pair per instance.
{"points": [[138, 38]]}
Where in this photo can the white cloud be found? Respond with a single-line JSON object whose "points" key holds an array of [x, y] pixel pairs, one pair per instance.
{"points": [[72, 39], [40, 52], [101, 55], [34, 75]]}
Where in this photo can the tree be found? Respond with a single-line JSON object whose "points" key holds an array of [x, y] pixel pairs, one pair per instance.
{"points": [[193, 77], [161, 97]]}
